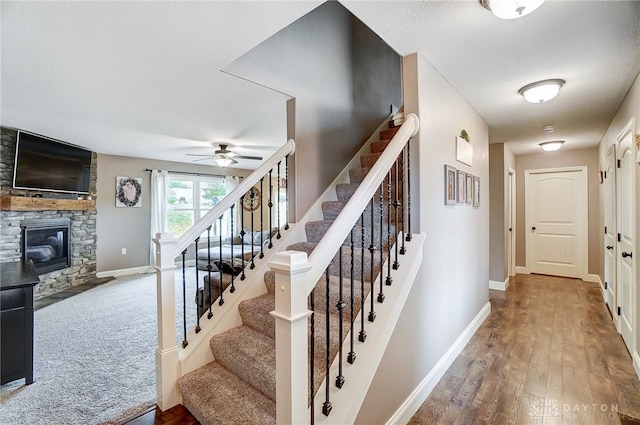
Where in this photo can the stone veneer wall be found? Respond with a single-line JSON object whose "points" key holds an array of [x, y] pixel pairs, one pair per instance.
{"points": [[83, 226]]}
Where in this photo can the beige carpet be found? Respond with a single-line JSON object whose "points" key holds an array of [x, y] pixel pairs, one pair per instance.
{"points": [[94, 355]]}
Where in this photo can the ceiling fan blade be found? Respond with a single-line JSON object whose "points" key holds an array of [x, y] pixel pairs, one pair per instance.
{"points": [[210, 158], [257, 158], [197, 154]]}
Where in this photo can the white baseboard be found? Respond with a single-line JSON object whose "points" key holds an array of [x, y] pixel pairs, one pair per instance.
{"points": [[420, 394], [125, 272], [593, 278], [636, 363], [522, 270], [499, 286]]}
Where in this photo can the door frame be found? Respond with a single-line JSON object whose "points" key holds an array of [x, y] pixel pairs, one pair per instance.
{"points": [[511, 211], [583, 226], [610, 293]]}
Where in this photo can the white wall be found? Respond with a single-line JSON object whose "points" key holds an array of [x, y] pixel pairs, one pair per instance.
{"points": [[452, 286], [629, 109]]}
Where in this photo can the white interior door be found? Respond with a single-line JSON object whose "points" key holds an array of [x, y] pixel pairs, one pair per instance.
{"points": [[626, 204], [610, 245], [511, 209], [556, 221]]}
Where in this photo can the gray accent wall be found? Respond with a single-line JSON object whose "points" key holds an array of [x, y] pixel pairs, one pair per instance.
{"points": [[343, 78], [561, 158], [452, 286], [130, 228]]}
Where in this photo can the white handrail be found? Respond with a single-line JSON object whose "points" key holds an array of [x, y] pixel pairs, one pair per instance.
{"points": [[324, 252], [230, 199]]}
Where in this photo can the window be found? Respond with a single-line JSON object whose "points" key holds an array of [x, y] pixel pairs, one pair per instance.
{"points": [[189, 198]]}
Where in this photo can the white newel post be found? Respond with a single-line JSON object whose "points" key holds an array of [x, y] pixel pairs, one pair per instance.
{"points": [[292, 359], [167, 363]]}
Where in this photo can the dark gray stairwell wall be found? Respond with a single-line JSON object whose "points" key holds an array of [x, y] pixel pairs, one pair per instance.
{"points": [[343, 78]]}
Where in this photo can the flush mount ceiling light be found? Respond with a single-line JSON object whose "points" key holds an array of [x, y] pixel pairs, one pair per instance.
{"points": [[225, 162], [541, 91], [511, 9], [551, 146]]}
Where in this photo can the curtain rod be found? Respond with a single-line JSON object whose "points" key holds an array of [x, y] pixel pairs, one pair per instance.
{"points": [[191, 174]]}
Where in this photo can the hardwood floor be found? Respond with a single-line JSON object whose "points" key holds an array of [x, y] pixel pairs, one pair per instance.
{"points": [[548, 354]]}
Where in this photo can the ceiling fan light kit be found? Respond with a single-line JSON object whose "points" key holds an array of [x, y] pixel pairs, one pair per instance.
{"points": [[223, 156], [541, 91], [511, 9], [552, 145]]}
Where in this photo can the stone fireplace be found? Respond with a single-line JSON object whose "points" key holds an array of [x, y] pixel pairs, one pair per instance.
{"points": [[26, 218]]}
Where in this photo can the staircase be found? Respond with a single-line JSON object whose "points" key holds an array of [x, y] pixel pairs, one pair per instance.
{"points": [[239, 386]]}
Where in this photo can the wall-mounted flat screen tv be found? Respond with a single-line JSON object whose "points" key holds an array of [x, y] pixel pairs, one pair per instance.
{"points": [[50, 165]]}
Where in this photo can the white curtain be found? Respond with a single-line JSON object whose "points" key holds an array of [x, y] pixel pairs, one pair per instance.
{"points": [[159, 181], [231, 182]]}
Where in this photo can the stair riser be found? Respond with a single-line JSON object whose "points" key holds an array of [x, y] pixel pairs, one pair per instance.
{"points": [[367, 161], [389, 133], [356, 175]]}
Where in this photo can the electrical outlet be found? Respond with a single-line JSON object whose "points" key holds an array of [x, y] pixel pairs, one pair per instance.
{"points": [[124, 251]]}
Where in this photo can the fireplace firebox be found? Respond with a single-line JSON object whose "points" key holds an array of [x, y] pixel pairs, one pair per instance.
{"points": [[47, 242]]}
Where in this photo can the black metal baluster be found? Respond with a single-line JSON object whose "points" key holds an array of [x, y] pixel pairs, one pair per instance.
{"points": [[372, 312], [286, 192], [312, 354], [261, 221], [278, 236], [210, 314], [403, 248], [362, 336], [381, 209], [233, 276], [409, 190], [270, 208], [220, 245], [197, 279], [252, 199], [184, 299], [389, 280], [351, 357], [340, 305], [242, 233], [396, 204], [326, 406]]}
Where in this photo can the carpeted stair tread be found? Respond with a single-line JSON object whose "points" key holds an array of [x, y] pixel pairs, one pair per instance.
{"points": [[369, 159], [331, 209], [357, 175], [345, 191], [388, 133], [255, 313], [215, 396], [270, 281], [249, 354], [377, 147]]}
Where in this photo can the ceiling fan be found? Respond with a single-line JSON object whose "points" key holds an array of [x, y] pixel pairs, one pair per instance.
{"points": [[224, 156]]}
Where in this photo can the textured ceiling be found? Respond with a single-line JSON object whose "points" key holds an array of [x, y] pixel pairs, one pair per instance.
{"points": [[143, 78]]}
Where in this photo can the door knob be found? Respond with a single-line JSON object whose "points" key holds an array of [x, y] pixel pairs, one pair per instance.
{"points": [[609, 247], [626, 254], [533, 228]]}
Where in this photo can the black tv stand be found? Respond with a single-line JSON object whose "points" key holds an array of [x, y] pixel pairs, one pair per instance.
{"points": [[16, 321]]}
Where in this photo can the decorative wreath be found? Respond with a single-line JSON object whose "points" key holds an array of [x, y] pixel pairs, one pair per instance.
{"points": [[122, 197], [247, 203]]}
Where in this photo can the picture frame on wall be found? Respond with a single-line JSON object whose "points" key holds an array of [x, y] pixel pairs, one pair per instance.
{"points": [[462, 191], [469, 188], [476, 191], [128, 192], [450, 179]]}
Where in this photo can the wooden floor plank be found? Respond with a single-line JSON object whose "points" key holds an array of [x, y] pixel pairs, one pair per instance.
{"points": [[547, 354]]}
